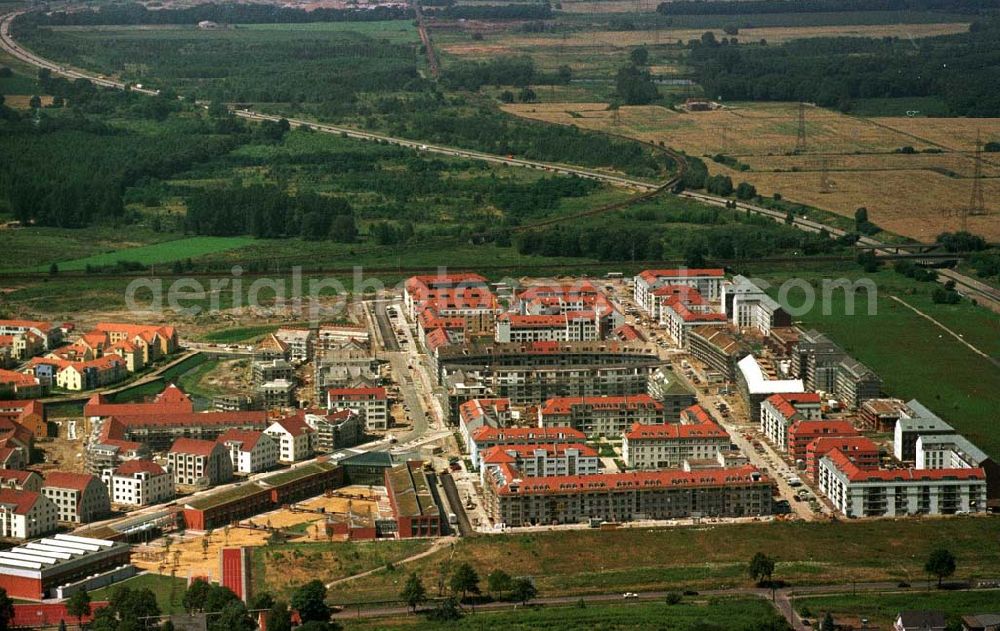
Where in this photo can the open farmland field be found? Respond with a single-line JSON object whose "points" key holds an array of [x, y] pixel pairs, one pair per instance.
{"points": [[916, 195], [693, 613], [707, 556]]}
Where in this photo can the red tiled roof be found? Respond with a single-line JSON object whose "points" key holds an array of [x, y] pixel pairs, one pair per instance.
{"points": [[22, 501], [296, 424], [193, 446], [502, 453], [204, 419], [41, 326], [786, 404], [533, 321], [628, 333], [539, 434], [564, 405], [131, 467], [809, 429], [652, 275], [68, 480], [857, 474], [847, 444], [17, 378], [673, 431], [696, 415], [247, 438], [637, 480], [17, 475], [357, 394]]}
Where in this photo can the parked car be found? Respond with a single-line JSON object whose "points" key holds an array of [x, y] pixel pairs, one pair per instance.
{"points": [[629, 595]]}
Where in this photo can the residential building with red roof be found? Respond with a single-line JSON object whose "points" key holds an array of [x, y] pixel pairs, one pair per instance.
{"points": [[476, 413], [154, 341], [21, 480], [372, 403], [15, 436], [250, 451], [857, 492], [51, 335], [171, 400], [199, 463], [668, 445], [628, 333], [678, 314], [860, 450], [334, 429], [16, 385], [90, 374], [465, 296], [139, 483], [801, 433], [541, 460], [80, 497], [516, 500], [486, 437], [779, 411], [11, 458], [295, 439], [26, 514], [604, 415], [708, 282], [28, 413]]}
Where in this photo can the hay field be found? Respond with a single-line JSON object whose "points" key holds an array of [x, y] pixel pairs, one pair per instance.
{"points": [[916, 195]]}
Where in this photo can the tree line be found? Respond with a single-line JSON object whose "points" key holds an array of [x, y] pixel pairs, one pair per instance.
{"points": [[741, 7], [516, 71], [225, 13], [533, 11], [959, 70]]}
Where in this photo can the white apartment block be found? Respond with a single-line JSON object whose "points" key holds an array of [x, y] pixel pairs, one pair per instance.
{"points": [[477, 413], [139, 483], [250, 451], [199, 463], [372, 403], [80, 497], [295, 439], [779, 411], [299, 341], [749, 307], [26, 514], [708, 282], [576, 326], [859, 492], [948, 451], [538, 461]]}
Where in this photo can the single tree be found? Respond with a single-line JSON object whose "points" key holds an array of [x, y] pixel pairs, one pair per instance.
{"points": [[761, 567], [78, 606], [310, 601], [523, 590], [414, 593], [53, 269], [6, 609], [827, 624], [196, 595], [499, 582], [941, 564], [639, 56], [263, 600], [280, 617], [62, 625], [731, 29], [464, 579]]}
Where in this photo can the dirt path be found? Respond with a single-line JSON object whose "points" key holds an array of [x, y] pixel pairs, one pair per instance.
{"points": [[435, 547], [958, 337]]}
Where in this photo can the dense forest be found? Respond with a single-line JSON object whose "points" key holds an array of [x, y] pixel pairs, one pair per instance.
{"points": [[515, 71], [742, 7], [961, 70], [134, 13]]}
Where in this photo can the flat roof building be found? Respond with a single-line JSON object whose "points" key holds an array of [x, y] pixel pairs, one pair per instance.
{"points": [[35, 570]]}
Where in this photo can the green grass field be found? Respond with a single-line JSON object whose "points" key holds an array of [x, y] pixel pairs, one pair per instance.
{"points": [[239, 334], [719, 613], [881, 609], [914, 357], [154, 254], [158, 583], [34, 248], [708, 556]]}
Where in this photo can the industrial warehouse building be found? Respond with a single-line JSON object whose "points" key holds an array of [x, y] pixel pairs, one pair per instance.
{"points": [[56, 566]]}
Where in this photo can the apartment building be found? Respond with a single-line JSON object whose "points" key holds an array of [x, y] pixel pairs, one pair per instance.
{"points": [[335, 430], [21, 480], [816, 360], [153, 341], [717, 349], [573, 326], [296, 440], [749, 307], [669, 445], [708, 282], [856, 383], [250, 451], [801, 433], [370, 403], [477, 413], [330, 337], [607, 416], [513, 500], [263, 371], [779, 411], [667, 388], [486, 437], [91, 374], [16, 385], [80, 497], [857, 492], [26, 514], [139, 483], [201, 463], [49, 334], [298, 342], [756, 384], [678, 314], [858, 449], [465, 296], [916, 421], [541, 460], [954, 451]]}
